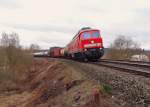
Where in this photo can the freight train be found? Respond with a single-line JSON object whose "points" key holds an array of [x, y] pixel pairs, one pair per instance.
{"points": [[87, 44]]}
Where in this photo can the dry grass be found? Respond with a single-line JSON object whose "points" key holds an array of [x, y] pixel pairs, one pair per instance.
{"points": [[14, 65]]}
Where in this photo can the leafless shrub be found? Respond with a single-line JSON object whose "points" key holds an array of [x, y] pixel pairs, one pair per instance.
{"points": [[34, 47], [14, 60], [123, 48]]}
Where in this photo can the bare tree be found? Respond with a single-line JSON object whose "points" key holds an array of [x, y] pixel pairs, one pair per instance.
{"points": [[4, 39], [13, 58], [14, 40], [34, 47], [123, 48], [9, 40], [123, 42], [9, 49]]}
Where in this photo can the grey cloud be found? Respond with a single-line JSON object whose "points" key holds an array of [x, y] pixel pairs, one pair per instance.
{"points": [[136, 32], [108, 34], [41, 28], [91, 9], [9, 4], [143, 13]]}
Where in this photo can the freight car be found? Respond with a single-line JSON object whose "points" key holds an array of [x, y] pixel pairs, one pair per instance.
{"points": [[55, 52], [87, 44]]}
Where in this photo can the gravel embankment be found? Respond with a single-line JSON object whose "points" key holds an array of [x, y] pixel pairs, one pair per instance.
{"points": [[128, 88]]}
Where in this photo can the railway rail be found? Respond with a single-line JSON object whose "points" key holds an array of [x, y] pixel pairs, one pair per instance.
{"points": [[127, 61], [135, 67], [131, 63]]}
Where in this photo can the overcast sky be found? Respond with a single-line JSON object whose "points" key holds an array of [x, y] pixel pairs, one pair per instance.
{"points": [[54, 22]]}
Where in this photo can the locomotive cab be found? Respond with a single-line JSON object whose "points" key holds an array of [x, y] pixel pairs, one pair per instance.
{"points": [[91, 44]]}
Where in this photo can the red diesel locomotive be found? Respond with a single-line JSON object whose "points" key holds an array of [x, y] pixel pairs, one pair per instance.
{"points": [[87, 44]]}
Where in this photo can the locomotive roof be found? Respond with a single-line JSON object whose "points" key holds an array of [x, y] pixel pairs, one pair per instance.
{"points": [[81, 31], [85, 30]]}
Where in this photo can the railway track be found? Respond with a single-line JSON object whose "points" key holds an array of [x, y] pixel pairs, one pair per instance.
{"points": [[126, 61], [134, 67], [138, 68]]}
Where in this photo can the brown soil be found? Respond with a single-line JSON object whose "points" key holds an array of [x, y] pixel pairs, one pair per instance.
{"points": [[53, 83]]}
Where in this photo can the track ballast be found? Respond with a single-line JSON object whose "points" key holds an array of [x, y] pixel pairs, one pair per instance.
{"points": [[135, 67]]}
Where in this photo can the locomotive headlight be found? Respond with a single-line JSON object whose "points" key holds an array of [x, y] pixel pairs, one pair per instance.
{"points": [[92, 41], [85, 49]]}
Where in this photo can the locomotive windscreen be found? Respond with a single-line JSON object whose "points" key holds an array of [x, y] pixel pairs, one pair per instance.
{"points": [[86, 35], [90, 34], [95, 34]]}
